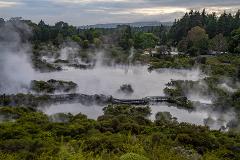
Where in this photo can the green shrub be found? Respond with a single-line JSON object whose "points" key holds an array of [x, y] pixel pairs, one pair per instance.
{"points": [[133, 156]]}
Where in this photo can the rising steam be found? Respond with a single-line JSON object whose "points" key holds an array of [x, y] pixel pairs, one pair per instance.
{"points": [[15, 70]]}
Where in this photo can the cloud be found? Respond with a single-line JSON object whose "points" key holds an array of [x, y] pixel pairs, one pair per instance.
{"points": [[82, 12], [91, 1], [153, 11], [83, 2], [220, 9], [6, 4]]}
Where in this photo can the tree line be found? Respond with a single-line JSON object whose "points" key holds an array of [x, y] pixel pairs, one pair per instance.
{"points": [[198, 32], [195, 33]]}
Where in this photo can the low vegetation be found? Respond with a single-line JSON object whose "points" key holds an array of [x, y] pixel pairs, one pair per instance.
{"points": [[175, 62], [52, 86], [123, 132]]}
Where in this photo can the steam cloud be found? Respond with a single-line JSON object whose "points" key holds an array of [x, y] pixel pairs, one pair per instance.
{"points": [[15, 70]]}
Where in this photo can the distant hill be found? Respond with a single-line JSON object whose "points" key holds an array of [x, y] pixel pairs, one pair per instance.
{"points": [[134, 24]]}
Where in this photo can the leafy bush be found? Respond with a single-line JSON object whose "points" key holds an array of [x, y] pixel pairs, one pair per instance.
{"points": [[132, 156]]}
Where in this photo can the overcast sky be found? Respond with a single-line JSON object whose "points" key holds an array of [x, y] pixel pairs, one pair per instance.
{"points": [[83, 12]]}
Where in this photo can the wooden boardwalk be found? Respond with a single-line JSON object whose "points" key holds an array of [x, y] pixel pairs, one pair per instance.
{"points": [[29, 99]]}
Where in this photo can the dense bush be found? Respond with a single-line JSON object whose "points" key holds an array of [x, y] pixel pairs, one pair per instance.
{"points": [[127, 135], [52, 86]]}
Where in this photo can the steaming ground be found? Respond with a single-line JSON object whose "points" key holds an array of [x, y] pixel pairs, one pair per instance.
{"points": [[107, 80], [93, 111], [16, 73], [201, 116]]}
